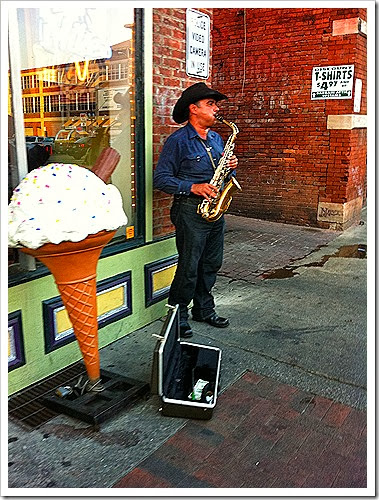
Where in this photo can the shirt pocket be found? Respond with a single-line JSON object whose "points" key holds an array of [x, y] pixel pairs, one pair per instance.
{"points": [[194, 162]]}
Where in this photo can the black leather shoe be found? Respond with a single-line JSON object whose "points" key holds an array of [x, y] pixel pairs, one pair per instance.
{"points": [[185, 331], [215, 320]]}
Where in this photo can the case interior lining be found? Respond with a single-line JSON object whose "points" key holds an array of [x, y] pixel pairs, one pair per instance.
{"points": [[184, 366]]}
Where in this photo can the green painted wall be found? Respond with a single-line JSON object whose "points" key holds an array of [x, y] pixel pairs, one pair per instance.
{"points": [[29, 296]]}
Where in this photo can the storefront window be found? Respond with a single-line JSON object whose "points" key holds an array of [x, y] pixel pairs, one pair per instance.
{"points": [[78, 87]]}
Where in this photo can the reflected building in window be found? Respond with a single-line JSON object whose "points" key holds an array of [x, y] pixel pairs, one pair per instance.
{"points": [[78, 88]]}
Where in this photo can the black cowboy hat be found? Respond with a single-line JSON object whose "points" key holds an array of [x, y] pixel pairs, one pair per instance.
{"points": [[191, 95]]}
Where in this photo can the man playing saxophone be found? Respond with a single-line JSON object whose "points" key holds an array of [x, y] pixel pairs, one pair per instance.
{"points": [[185, 169]]}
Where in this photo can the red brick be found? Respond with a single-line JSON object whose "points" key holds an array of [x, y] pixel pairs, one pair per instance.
{"points": [[222, 427], [353, 475], [139, 478], [319, 407], [285, 392], [189, 445], [355, 423], [290, 442], [287, 413], [226, 452], [294, 481], [278, 472], [315, 444], [269, 428], [252, 378], [216, 477], [236, 404], [336, 414], [343, 445], [263, 411], [175, 456], [321, 479]]}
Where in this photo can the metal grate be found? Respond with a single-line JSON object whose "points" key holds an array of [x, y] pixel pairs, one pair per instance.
{"points": [[25, 407]]}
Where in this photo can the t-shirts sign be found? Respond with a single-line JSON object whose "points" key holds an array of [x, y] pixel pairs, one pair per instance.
{"points": [[197, 44], [332, 82]]}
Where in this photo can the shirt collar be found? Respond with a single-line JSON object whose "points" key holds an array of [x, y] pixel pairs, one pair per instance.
{"points": [[192, 133]]}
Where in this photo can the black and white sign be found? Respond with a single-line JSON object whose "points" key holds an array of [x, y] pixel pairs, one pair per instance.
{"points": [[332, 82], [105, 98], [197, 44]]}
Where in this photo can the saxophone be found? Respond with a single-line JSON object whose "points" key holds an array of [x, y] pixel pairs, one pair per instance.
{"points": [[212, 210]]}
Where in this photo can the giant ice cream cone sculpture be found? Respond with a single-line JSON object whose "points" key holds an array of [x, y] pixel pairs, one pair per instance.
{"points": [[74, 263]]}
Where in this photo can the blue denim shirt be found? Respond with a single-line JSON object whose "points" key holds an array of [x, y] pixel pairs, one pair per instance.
{"points": [[184, 160]]}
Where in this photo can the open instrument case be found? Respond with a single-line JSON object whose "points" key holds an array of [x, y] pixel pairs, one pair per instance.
{"points": [[185, 375]]}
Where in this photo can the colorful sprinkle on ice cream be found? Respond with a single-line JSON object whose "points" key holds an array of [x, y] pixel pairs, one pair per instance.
{"points": [[62, 202]]}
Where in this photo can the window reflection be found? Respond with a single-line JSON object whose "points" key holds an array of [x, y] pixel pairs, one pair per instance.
{"points": [[78, 90]]}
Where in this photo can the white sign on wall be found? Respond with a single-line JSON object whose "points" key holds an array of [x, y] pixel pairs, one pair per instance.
{"points": [[332, 82], [197, 44], [106, 100]]}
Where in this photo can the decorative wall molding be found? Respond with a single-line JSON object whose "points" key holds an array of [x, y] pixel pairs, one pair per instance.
{"points": [[158, 278], [16, 354], [348, 122], [339, 213], [349, 26], [114, 301]]}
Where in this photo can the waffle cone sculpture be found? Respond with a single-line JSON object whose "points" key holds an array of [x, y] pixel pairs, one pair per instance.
{"points": [[73, 265]]}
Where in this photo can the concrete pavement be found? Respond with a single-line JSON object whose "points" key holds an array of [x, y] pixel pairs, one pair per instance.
{"points": [[296, 299]]}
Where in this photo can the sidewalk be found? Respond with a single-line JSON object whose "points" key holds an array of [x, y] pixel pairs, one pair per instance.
{"points": [[292, 412], [264, 435]]}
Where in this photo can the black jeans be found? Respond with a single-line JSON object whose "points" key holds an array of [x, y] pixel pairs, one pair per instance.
{"points": [[200, 246]]}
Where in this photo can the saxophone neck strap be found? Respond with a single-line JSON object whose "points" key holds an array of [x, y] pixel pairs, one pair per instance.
{"points": [[208, 150]]}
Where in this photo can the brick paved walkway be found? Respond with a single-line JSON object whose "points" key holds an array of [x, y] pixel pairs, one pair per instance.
{"points": [[266, 246], [263, 434]]}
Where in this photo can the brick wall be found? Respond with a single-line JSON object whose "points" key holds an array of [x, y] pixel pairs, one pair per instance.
{"points": [[289, 160], [169, 80]]}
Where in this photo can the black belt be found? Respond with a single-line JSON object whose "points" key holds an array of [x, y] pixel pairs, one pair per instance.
{"points": [[191, 198]]}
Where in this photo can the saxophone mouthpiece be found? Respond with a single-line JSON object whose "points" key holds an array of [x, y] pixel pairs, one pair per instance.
{"points": [[219, 118]]}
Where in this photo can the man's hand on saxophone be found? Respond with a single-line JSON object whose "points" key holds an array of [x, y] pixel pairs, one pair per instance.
{"points": [[233, 162], [208, 191]]}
